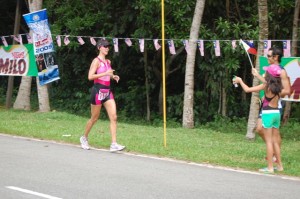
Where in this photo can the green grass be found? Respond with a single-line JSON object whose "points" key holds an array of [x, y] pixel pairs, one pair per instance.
{"points": [[221, 143]]}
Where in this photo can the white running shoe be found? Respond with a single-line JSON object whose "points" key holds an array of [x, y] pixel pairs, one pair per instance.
{"points": [[116, 147], [84, 143]]}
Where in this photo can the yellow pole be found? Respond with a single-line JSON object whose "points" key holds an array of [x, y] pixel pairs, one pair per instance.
{"points": [[163, 68]]}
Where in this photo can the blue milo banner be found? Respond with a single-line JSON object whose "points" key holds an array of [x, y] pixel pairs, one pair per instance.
{"points": [[43, 46], [42, 39]]}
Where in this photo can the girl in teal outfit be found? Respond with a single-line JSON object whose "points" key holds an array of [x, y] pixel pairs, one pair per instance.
{"points": [[270, 113]]}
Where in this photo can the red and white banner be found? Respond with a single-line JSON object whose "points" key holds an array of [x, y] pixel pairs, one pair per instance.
{"points": [[92, 40], [233, 44], [267, 45], [4, 41], [128, 42], [80, 40], [186, 46], [142, 45], [201, 47], [58, 40], [217, 48], [29, 39], [18, 39], [116, 44], [66, 40], [287, 48], [156, 44], [171, 47]]}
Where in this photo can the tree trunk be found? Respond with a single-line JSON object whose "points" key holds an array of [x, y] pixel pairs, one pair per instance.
{"points": [[188, 104], [263, 35], [228, 9], [287, 109], [160, 99], [43, 97], [23, 97], [295, 28], [169, 70], [147, 85], [10, 85], [224, 95], [224, 102], [220, 98], [238, 10]]}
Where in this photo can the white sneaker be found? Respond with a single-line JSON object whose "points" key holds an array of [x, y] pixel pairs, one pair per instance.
{"points": [[84, 143], [116, 147]]}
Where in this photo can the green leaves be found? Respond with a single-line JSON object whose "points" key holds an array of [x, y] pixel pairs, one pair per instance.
{"points": [[142, 19]]}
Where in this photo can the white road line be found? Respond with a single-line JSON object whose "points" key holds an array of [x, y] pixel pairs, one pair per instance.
{"points": [[32, 192]]}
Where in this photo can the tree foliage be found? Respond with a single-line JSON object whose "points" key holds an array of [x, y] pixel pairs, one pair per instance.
{"points": [[142, 19]]}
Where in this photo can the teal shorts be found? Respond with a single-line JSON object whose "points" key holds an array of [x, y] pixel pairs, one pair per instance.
{"points": [[271, 118]]}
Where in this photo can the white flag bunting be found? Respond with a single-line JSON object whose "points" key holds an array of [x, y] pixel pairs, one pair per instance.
{"points": [[142, 42]]}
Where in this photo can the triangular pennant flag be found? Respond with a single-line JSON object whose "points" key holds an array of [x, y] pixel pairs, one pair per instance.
{"points": [[58, 40], [66, 40], [217, 48], [93, 41], [186, 46], [80, 40], [267, 45], [116, 44], [171, 47], [4, 41], [29, 39], [128, 42], [15, 38], [156, 44], [287, 48], [201, 47], [20, 39], [142, 45], [233, 44]]}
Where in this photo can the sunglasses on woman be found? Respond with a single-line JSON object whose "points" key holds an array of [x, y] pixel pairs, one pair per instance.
{"points": [[269, 56]]}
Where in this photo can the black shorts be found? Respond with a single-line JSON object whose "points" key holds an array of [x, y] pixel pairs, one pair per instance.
{"points": [[100, 94]]}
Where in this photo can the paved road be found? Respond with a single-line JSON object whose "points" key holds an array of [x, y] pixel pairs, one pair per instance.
{"points": [[32, 169]]}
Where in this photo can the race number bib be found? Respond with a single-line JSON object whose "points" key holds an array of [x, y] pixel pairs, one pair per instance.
{"points": [[103, 93]]}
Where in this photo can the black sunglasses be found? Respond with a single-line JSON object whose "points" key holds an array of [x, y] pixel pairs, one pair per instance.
{"points": [[106, 46], [270, 56]]}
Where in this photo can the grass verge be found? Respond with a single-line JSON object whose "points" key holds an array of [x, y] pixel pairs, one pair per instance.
{"points": [[203, 144]]}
